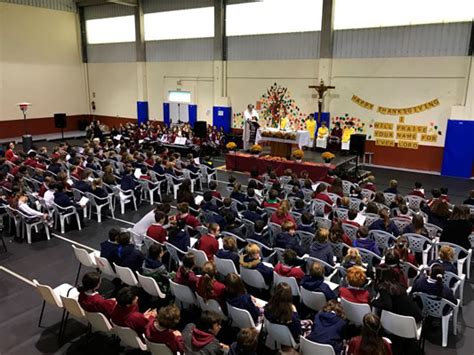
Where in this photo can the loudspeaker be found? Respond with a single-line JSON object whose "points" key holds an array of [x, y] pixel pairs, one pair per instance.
{"points": [[27, 142], [200, 129], [60, 120], [357, 145]]}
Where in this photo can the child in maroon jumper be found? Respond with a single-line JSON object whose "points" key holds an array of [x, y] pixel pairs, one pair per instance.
{"points": [[208, 243], [156, 231], [161, 330], [90, 300]]}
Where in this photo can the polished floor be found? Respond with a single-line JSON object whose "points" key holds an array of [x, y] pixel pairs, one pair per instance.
{"points": [[53, 262]]}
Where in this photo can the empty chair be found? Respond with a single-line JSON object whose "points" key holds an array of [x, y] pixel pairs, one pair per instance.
{"points": [[175, 254], [99, 203], [434, 306], [240, 318], [150, 286], [105, 267], [126, 196], [312, 300], [346, 187], [457, 286], [433, 230], [53, 297], [355, 312], [173, 184], [308, 347], [342, 213], [85, 258], [71, 307], [98, 322], [402, 326], [183, 294], [157, 348], [126, 275], [129, 337], [224, 266]]}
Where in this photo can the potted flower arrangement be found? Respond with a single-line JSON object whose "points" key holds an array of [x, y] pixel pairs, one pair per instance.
{"points": [[327, 157], [256, 149], [298, 154], [231, 146]]}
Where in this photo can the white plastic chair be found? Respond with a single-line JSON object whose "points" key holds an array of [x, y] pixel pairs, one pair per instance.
{"points": [[98, 322], [129, 337], [368, 194], [126, 275], [370, 218], [157, 348], [346, 187], [306, 239], [389, 198], [308, 347], [401, 223], [319, 206], [240, 318], [368, 257], [280, 334], [183, 294], [434, 306], [99, 204], [433, 230], [149, 187], [208, 174], [126, 197], [72, 307], [200, 257], [105, 267], [350, 230], [459, 261], [291, 281], [150, 286], [420, 244], [414, 202], [173, 184], [53, 297], [355, 312], [63, 215], [322, 222], [32, 222], [312, 300], [85, 258], [384, 240], [402, 326], [457, 287], [225, 266], [174, 252], [253, 278]]}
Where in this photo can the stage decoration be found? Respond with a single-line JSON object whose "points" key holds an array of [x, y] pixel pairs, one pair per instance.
{"points": [[362, 103], [408, 110], [327, 156], [277, 99], [407, 145], [298, 154], [231, 146], [385, 142], [359, 126], [272, 158], [279, 134], [256, 149]]}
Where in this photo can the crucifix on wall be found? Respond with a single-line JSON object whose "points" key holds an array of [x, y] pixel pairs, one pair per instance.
{"points": [[321, 90]]}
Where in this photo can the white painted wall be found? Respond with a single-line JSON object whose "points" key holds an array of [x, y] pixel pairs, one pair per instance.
{"points": [[40, 62]]}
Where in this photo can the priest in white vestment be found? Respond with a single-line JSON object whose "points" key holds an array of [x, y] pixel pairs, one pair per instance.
{"points": [[250, 126]]}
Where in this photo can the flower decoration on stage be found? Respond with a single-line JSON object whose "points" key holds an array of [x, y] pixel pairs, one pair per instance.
{"points": [[273, 158], [256, 149], [359, 126], [298, 154], [231, 146], [327, 156]]}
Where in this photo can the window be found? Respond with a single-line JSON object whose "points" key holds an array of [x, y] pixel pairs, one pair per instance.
{"points": [[191, 23], [111, 30], [179, 96], [378, 13], [273, 16]]}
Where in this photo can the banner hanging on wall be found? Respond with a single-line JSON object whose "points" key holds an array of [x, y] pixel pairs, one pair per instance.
{"points": [[395, 111]]}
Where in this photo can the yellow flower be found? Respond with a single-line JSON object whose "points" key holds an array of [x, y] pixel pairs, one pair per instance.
{"points": [[231, 146], [256, 148], [327, 156], [298, 154]]}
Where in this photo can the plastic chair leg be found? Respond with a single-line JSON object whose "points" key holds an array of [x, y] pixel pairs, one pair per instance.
{"points": [[78, 221], [28, 233], [62, 220], [445, 329]]}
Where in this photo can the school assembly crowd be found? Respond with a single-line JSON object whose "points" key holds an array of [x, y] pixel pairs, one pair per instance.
{"points": [[284, 236]]}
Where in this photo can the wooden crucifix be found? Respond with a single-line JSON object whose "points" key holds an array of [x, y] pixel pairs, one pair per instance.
{"points": [[321, 90]]}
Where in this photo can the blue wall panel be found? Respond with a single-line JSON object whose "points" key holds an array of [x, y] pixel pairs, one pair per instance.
{"points": [[192, 110], [458, 149], [222, 117], [166, 113]]}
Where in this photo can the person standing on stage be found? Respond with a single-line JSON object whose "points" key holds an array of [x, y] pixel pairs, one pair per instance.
{"points": [[311, 127], [250, 126], [347, 132]]}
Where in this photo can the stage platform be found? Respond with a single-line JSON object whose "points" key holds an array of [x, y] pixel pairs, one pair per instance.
{"points": [[47, 137], [345, 166]]}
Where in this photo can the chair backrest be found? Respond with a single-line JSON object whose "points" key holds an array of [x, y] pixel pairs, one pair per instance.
{"points": [[274, 228], [368, 257], [355, 312], [306, 239], [174, 252], [241, 318], [370, 218], [183, 293], [250, 226], [346, 187], [457, 249], [104, 266], [279, 253], [433, 230], [224, 266], [278, 279], [319, 206], [389, 198], [157, 348], [129, 337], [210, 305], [150, 286], [126, 275], [384, 240], [73, 307], [414, 201], [323, 222], [253, 278], [280, 333], [433, 305], [98, 321], [48, 294], [355, 203], [410, 271], [308, 347], [313, 300], [83, 256], [368, 194], [400, 222], [339, 249], [417, 242], [402, 326], [350, 230], [200, 257]]}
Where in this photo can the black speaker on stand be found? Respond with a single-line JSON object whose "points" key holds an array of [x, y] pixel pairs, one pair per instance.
{"points": [[60, 122], [357, 147], [200, 129]]}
